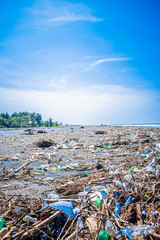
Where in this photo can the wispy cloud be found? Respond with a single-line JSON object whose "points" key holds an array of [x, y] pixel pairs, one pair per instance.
{"points": [[109, 60], [74, 18], [53, 12]]}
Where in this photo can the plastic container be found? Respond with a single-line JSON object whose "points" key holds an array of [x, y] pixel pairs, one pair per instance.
{"points": [[65, 206], [143, 213], [129, 200], [109, 227], [151, 164], [134, 231], [115, 193], [82, 195], [117, 210], [76, 211], [59, 167], [53, 196], [98, 201], [2, 223], [30, 219], [80, 223], [94, 195], [103, 235], [145, 153]]}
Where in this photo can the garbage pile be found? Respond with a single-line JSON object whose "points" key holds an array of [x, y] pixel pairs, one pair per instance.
{"points": [[118, 198]]}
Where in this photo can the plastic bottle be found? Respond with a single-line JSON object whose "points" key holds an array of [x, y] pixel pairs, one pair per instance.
{"points": [[134, 231], [115, 193], [127, 233], [143, 213], [76, 210], [81, 195], [129, 200], [103, 235], [80, 223], [2, 223], [151, 164], [132, 168], [59, 167], [109, 227], [145, 153], [52, 195], [30, 219], [98, 201], [157, 173], [117, 210]]}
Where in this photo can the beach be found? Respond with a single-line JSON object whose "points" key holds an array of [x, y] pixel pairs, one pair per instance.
{"points": [[75, 151], [119, 163]]}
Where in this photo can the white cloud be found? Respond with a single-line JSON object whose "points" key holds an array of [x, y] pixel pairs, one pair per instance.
{"points": [[53, 12], [74, 18], [108, 60], [106, 104]]}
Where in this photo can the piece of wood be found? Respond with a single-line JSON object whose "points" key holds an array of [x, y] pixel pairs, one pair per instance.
{"points": [[40, 225], [139, 218], [8, 235], [3, 232]]}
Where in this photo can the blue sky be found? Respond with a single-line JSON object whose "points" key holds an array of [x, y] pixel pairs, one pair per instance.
{"points": [[81, 62]]}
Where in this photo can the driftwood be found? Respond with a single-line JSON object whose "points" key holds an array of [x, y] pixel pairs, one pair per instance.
{"points": [[40, 225]]}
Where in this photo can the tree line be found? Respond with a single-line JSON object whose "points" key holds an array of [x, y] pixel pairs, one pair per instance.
{"points": [[25, 120]]}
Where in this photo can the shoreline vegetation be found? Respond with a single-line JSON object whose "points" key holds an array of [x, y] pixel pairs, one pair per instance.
{"points": [[25, 120]]}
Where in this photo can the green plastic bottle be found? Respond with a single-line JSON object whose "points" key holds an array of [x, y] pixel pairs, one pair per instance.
{"points": [[2, 223], [98, 201], [39, 168], [103, 235], [59, 167]]}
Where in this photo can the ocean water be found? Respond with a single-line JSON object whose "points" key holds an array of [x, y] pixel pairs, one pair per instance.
{"points": [[9, 132]]}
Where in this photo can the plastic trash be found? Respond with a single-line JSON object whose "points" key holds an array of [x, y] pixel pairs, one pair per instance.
{"points": [[115, 193], [76, 211], [101, 189], [94, 195], [80, 223], [103, 235], [109, 227], [127, 233], [151, 164], [134, 231], [157, 173], [65, 206], [39, 168], [143, 213], [145, 153], [104, 193], [129, 200], [30, 219], [158, 145], [117, 210], [59, 167], [84, 175], [52, 195], [98, 201], [82, 195], [2, 223], [147, 196]]}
